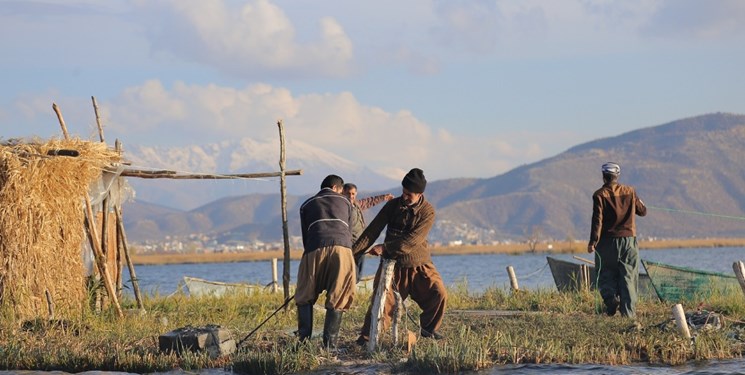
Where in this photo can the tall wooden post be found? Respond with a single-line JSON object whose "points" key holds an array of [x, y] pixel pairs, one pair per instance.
{"points": [[283, 195]]}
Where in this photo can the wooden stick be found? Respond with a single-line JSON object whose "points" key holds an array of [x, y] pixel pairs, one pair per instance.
{"points": [[175, 176], [584, 277], [125, 249], [100, 261], [105, 235], [275, 283], [98, 119], [50, 304], [283, 197], [378, 307], [584, 260], [61, 120]]}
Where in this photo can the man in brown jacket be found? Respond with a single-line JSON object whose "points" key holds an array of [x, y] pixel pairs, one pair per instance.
{"points": [[613, 239], [408, 219], [358, 218]]}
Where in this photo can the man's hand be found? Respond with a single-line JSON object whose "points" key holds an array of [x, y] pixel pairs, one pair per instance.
{"points": [[388, 196], [376, 250], [590, 248]]}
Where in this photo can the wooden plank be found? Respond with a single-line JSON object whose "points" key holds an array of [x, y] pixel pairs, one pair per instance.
{"points": [[176, 176]]}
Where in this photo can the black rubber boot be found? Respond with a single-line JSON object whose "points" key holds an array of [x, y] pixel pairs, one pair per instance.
{"points": [[611, 306], [304, 321], [331, 328]]}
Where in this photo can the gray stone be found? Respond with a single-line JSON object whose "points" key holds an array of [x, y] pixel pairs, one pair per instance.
{"points": [[212, 339]]}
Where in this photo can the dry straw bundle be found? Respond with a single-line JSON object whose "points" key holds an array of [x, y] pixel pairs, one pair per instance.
{"points": [[42, 224]]}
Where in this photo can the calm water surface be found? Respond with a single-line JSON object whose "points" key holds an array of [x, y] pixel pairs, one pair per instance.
{"points": [[474, 272]]}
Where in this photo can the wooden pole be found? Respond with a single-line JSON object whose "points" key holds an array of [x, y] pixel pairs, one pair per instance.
{"points": [[100, 260], [680, 321], [584, 277], [121, 236], [584, 260], [105, 233], [378, 307], [739, 269], [283, 195], [275, 284], [176, 176], [513, 279], [125, 249], [61, 120], [98, 119]]}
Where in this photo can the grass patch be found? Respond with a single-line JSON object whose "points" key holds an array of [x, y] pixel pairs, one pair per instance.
{"points": [[545, 327]]}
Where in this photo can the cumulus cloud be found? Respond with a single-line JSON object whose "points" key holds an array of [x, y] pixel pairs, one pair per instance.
{"points": [[253, 40], [187, 114]]}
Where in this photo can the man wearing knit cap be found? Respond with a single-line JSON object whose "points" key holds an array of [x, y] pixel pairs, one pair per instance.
{"points": [[408, 220], [613, 239]]}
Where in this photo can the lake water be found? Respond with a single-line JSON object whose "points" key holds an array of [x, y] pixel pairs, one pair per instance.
{"points": [[476, 272]]}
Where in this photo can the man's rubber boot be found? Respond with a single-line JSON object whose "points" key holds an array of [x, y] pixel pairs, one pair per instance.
{"points": [[611, 306], [304, 321], [331, 328]]}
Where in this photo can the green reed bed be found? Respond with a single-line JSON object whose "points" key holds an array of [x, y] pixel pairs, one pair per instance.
{"points": [[545, 327]]}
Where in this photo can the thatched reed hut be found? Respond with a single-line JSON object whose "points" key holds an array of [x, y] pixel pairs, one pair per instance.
{"points": [[42, 231]]}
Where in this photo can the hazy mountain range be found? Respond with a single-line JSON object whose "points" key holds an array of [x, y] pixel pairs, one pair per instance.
{"points": [[239, 156], [689, 173]]}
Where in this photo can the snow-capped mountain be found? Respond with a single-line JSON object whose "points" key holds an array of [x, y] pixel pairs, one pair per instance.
{"points": [[240, 156]]}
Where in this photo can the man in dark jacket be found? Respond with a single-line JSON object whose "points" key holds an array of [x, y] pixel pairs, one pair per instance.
{"points": [[327, 262], [408, 219], [613, 239]]}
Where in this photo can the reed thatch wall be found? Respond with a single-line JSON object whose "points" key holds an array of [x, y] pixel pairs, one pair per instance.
{"points": [[42, 224]]}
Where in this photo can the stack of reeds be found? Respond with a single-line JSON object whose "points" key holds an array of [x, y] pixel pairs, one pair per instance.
{"points": [[42, 191]]}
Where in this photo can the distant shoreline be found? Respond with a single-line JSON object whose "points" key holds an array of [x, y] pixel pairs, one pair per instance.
{"points": [[516, 248]]}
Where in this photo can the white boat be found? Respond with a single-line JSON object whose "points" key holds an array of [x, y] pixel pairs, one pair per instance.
{"points": [[200, 287]]}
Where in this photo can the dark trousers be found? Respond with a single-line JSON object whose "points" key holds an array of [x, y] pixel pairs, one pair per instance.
{"points": [[617, 261]]}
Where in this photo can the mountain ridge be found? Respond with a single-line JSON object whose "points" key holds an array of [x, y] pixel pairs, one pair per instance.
{"points": [[678, 167]]}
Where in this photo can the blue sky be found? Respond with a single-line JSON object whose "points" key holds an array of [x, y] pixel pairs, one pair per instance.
{"points": [[458, 88]]}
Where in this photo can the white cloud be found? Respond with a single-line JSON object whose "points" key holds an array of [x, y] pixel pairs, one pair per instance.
{"points": [[250, 41], [391, 143]]}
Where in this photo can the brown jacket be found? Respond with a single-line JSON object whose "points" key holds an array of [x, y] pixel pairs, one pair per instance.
{"points": [[406, 233], [614, 207], [358, 219]]}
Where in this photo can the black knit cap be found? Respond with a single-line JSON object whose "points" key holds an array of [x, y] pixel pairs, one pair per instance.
{"points": [[414, 181]]}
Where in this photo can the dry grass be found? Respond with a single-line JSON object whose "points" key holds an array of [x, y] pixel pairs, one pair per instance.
{"points": [[546, 327], [41, 224]]}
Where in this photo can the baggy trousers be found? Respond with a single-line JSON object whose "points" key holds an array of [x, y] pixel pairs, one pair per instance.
{"points": [[617, 261], [424, 285], [329, 269]]}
